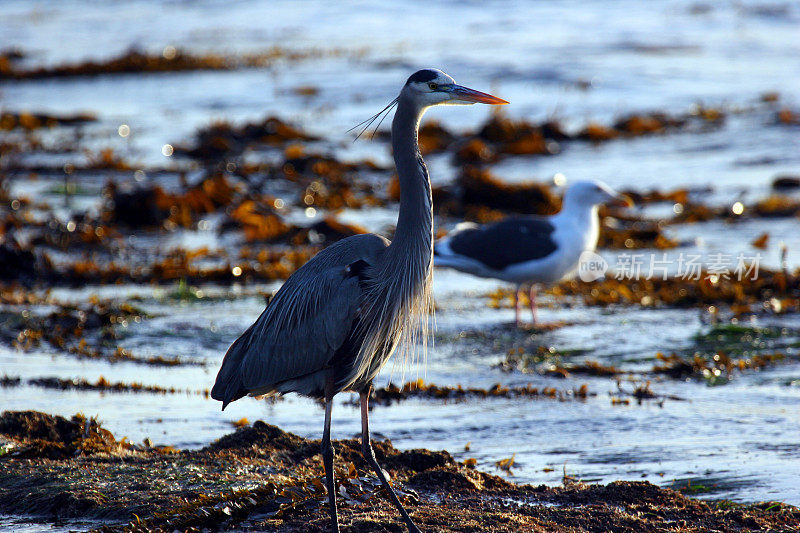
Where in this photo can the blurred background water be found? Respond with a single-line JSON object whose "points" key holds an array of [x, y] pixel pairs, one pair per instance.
{"points": [[577, 61]]}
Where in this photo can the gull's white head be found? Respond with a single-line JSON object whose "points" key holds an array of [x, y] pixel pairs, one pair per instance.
{"points": [[589, 193]]}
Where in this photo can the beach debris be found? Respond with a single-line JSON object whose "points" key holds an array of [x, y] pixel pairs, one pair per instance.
{"points": [[716, 369], [787, 117], [75, 468], [242, 422], [258, 221], [433, 138], [549, 361], [641, 392], [506, 464], [761, 241]]}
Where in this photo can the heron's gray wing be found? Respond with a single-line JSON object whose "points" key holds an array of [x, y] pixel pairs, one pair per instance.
{"points": [[309, 318], [508, 242]]}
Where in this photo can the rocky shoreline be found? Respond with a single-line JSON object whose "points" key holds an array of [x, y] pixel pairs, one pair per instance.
{"points": [[262, 478]]}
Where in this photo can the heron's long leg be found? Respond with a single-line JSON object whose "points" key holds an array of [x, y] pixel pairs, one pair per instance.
{"points": [[369, 455], [327, 455], [533, 302]]}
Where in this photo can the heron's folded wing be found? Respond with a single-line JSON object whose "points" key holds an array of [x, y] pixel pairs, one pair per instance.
{"points": [[301, 329], [297, 334]]}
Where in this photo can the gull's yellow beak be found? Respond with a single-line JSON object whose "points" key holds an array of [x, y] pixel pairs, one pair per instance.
{"points": [[621, 200]]}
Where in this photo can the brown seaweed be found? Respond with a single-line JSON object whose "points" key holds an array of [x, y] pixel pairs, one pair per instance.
{"points": [[479, 188], [222, 140], [760, 293], [419, 389], [33, 121], [171, 59], [260, 477]]}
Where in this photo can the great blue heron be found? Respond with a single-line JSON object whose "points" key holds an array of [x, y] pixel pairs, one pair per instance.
{"points": [[532, 249], [335, 322]]}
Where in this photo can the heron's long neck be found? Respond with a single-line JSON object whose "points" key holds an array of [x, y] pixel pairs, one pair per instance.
{"points": [[412, 246]]}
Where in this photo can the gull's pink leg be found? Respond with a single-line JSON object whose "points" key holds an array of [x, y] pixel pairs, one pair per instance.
{"points": [[516, 304], [533, 302]]}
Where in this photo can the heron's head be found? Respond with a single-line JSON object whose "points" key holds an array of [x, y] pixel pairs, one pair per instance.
{"points": [[430, 86], [594, 192]]}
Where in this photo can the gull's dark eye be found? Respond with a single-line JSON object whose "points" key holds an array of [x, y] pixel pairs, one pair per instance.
{"points": [[432, 86]]}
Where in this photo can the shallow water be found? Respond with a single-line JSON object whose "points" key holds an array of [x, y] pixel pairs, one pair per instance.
{"points": [[738, 441]]}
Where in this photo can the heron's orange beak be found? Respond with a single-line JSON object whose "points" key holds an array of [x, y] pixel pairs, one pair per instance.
{"points": [[471, 96]]}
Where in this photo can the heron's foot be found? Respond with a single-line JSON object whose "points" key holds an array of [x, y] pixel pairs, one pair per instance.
{"points": [[369, 455], [330, 484], [335, 526]]}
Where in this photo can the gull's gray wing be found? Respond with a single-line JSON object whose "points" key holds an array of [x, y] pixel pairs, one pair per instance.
{"points": [[511, 241], [302, 327]]}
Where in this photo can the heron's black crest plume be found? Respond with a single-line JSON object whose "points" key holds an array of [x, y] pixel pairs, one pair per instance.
{"points": [[421, 76], [372, 119]]}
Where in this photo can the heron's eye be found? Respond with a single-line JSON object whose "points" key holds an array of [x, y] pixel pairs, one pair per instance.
{"points": [[432, 86]]}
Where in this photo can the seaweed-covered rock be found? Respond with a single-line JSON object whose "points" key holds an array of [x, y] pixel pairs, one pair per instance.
{"points": [[43, 435], [786, 183], [36, 425], [262, 478], [16, 263], [480, 187], [135, 207]]}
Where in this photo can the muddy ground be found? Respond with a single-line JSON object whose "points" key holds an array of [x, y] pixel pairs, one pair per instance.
{"points": [[262, 478]]}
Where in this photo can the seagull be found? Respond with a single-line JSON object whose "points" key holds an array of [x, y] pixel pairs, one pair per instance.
{"points": [[526, 250]]}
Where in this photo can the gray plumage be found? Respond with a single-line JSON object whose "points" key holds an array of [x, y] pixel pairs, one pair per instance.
{"points": [[527, 250], [334, 323], [287, 349], [301, 333], [511, 241]]}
